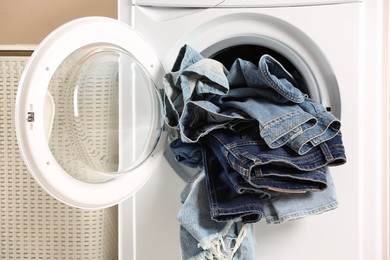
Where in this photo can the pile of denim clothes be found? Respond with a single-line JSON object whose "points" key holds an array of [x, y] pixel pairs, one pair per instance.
{"points": [[262, 145]]}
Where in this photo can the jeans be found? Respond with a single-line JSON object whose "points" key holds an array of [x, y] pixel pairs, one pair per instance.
{"points": [[282, 207], [267, 79], [202, 96], [191, 74], [226, 201], [203, 238], [263, 145], [233, 195], [189, 154], [247, 152]]}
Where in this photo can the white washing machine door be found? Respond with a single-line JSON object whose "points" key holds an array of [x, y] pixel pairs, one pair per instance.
{"points": [[89, 115]]}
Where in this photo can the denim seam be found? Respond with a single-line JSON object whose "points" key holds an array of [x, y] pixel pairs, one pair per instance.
{"points": [[212, 192], [273, 138], [316, 139], [283, 186], [289, 96], [313, 141], [236, 210], [326, 152], [279, 119], [246, 166], [296, 176], [246, 163], [300, 214], [246, 173]]}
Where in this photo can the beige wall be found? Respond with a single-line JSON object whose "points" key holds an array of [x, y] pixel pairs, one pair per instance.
{"points": [[29, 21]]}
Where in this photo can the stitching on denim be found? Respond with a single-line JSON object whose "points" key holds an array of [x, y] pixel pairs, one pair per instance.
{"points": [[314, 185], [316, 159], [289, 96], [278, 220]]}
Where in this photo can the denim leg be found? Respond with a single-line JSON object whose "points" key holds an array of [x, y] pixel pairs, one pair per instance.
{"points": [[328, 127], [279, 79], [225, 203], [203, 238], [192, 75], [189, 154], [264, 168], [284, 207]]}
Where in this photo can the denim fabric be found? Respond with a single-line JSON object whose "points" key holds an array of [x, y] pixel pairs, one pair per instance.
{"points": [[300, 124], [231, 197], [278, 123], [249, 186], [274, 81], [275, 169], [244, 73], [189, 154], [266, 177], [201, 96], [265, 148], [201, 117], [202, 238], [326, 128], [286, 207], [275, 207], [226, 204], [191, 75]]}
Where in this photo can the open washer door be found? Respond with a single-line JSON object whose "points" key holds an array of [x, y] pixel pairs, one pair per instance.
{"points": [[89, 116]]}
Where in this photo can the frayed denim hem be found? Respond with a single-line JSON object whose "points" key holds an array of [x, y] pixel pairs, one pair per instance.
{"points": [[220, 249]]}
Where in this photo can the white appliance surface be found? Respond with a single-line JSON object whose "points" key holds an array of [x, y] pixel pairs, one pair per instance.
{"points": [[148, 227]]}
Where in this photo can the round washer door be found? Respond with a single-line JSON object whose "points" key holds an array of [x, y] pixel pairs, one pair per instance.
{"points": [[89, 117]]}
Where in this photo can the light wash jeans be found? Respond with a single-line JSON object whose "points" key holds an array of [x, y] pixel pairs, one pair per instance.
{"points": [[201, 96], [203, 238]]}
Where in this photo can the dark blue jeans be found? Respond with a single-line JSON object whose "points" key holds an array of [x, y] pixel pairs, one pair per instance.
{"points": [[241, 171], [222, 185], [247, 153]]}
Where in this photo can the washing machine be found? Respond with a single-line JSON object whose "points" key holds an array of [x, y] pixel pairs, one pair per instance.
{"points": [[90, 123]]}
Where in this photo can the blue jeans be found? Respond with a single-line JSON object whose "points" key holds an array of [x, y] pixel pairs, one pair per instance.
{"points": [[247, 152], [189, 154], [261, 166], [276, 170], [202, 96], [191, 74], [231, 198], [267, 78], [282, 207], [203, 238], [233, 195]]}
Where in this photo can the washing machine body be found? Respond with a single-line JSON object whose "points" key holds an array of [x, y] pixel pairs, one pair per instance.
{"points": [[92, 134], [325, 41]]}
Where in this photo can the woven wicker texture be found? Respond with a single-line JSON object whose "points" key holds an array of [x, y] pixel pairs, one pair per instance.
{"points": [[33, 225]]}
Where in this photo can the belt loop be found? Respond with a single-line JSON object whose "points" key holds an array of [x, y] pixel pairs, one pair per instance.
{"points": [[326, 152], [251, 157]]}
